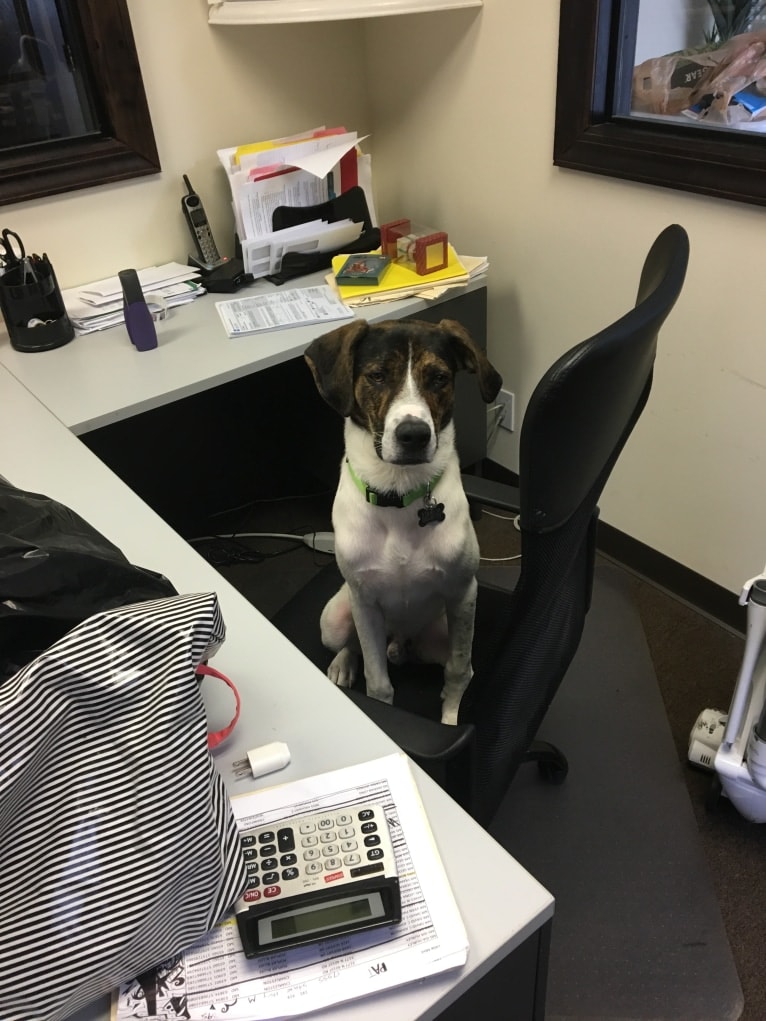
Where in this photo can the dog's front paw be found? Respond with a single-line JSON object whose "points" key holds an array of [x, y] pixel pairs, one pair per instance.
{"points": [[449, 716], [383, 691], [342, 670]]}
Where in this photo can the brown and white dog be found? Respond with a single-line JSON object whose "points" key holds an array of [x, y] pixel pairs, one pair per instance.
{"points": [[404, 540]]}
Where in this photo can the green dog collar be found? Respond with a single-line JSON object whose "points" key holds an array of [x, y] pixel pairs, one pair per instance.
{"points": [[393, 499]]}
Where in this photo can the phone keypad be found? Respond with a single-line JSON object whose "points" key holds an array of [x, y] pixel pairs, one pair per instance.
{"points": [[207, 244]]}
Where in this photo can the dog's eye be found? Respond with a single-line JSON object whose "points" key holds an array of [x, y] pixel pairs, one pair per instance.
{"points": [[376, 377], [439, 380]]}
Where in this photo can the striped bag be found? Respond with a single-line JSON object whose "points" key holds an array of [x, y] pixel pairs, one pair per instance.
{"points": [[118, 844]]}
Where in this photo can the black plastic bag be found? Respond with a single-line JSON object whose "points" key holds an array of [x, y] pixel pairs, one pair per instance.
{"points": [[56, 570]]}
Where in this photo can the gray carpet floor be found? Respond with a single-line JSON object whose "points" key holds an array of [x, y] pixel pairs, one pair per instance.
{"points": [[695, 661]]}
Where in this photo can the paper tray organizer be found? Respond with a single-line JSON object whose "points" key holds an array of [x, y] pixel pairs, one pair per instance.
{"points": [[351, 205]]}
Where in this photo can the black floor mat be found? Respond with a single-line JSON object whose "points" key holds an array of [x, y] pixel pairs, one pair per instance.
{"points": [[637, 930]]}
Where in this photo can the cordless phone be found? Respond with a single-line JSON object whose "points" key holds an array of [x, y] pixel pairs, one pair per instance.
{"points": [[194, 211]]}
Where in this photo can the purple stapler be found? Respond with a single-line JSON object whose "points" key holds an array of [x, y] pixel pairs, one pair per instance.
{"points": [[138, 318]]}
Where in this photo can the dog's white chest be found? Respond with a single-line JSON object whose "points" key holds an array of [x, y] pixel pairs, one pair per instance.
{"points": [[408, 570]]}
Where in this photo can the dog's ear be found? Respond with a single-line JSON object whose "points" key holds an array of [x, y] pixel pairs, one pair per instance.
{"points": [[471, 357], [331, 360]]}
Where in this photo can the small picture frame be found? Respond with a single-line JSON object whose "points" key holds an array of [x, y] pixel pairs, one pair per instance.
{"points": [[362, 269]]}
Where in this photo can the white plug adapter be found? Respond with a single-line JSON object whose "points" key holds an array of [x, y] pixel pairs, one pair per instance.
{"points": [[323, 542]]}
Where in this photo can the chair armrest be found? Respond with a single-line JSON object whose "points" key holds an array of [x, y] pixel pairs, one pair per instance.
{"points": [[446, 753], [494, 494], [423, 739]]}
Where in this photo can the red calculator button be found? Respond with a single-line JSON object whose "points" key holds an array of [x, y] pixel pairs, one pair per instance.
{"points": [[251, 895], [272, 891]]}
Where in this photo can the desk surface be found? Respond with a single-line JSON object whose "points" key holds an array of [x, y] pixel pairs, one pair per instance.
{"points": [[101, 378], [38, 453]]}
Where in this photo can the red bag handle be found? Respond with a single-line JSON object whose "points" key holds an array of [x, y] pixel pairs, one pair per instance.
{"points": [[217, 736]]}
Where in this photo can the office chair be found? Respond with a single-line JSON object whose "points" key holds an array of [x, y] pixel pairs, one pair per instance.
{"points": [[575, 426]]}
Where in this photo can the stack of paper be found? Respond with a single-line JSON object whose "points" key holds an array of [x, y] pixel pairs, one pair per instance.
{"points": [[214, 979], [302, 170], [99, 305], [402, 282]]}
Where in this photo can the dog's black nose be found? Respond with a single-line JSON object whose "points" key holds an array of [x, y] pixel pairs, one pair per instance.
{"points": [[412, 434]]}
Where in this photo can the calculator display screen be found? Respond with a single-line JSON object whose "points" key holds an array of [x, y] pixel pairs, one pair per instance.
{"points": [[345, 911]]}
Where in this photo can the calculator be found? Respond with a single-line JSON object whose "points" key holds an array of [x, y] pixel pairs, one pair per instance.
{"points": [[315, 876]]}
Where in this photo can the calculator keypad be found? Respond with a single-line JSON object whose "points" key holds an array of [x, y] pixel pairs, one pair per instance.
{"points": [[327, 847]]}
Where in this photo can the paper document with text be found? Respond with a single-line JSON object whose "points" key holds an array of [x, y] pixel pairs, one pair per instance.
{"points": [[299, 306], [214, 980]]}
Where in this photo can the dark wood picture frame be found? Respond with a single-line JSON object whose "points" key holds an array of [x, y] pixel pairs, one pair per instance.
{"points": [[590, 136], [125, 146]]}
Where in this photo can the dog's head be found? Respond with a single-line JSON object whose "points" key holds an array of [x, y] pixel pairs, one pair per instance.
{"points": [[396, 380]]}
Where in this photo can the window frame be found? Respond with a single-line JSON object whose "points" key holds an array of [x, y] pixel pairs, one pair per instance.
{"points": [[124, 148], [589, 137]]}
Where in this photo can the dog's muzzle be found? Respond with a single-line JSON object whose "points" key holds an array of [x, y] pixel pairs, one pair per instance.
{"points": [[412, 436]]}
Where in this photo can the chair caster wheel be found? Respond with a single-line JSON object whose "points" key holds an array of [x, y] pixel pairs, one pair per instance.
{"points": [[553, 771], [552, 764]]}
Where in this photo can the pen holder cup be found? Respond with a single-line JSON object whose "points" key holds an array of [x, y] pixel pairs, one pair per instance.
{"points": [[37, 301]]}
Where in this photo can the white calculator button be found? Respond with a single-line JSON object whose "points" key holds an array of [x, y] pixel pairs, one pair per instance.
{"points": [[306, 827], [348, 845], [351, 859], [344, 819], [326, 822], [330, 850], [311, 854], [332, 863], [310, 841], [345, 832], [328, 836], [313, 867]]}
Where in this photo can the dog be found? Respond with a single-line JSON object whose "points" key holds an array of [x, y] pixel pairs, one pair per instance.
{"points": [[404, 540]]}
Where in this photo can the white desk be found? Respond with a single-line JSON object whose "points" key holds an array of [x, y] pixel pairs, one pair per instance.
{"points": [[284, 696], [101, 378]]}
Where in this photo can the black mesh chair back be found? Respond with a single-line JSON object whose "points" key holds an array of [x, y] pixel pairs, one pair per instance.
{"points": [[576, 424]]}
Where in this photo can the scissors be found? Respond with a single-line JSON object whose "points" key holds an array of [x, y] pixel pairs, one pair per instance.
{"points": [[14, 256], [9, 242]]}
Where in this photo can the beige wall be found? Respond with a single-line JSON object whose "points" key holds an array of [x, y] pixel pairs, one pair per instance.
{"points": [[463, 140], [207, 88], [461, 108]]}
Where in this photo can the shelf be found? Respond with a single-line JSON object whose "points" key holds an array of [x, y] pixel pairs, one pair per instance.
{"points": [[275, 12]]}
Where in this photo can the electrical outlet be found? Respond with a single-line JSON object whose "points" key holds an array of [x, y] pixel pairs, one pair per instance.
{"points": [[506, 400]]}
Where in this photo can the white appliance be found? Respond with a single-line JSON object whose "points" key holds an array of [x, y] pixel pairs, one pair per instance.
{"points": [[733, 744]]}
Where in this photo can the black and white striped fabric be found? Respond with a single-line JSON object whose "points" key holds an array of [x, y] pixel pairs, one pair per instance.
{"points": [[118, 846]]}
